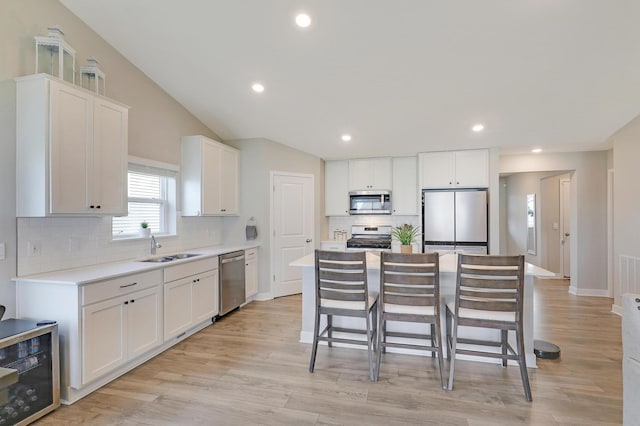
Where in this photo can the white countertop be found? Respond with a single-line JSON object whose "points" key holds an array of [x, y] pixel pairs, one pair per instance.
{"points": [[448, 264], [88, 274]]}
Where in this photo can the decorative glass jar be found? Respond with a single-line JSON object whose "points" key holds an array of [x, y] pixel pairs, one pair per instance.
{"points": [[92, 78], [54, 56]]}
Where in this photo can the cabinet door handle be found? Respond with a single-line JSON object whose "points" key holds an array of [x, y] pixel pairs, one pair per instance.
{"points": [[128, 285], [126, 302], [133, 300], [91, 207], [97, 207]]}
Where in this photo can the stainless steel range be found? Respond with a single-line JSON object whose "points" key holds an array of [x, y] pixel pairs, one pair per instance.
{"points": [[369, 238]]}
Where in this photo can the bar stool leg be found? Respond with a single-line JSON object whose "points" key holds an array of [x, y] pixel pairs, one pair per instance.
{"points": [[522, 360], [369, 347], [438, 338], [447, 329], [314, 349], [433, 339], [380, 346], [452, 352], [504, 339]]}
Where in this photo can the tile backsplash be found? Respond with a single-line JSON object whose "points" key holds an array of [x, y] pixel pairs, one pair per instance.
{"points": [[70, 242], [343, 223]]}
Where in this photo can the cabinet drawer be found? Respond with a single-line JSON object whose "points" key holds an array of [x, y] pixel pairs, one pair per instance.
{"points": [[326, 245], [250, 254], [104, 290], [172, 273]]}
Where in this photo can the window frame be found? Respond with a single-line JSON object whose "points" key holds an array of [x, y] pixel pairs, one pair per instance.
{"points": [[168, 174]]}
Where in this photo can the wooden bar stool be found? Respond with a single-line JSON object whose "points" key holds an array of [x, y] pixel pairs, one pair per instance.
{"points": [[410, 292], [489, 292], [341, 290]]}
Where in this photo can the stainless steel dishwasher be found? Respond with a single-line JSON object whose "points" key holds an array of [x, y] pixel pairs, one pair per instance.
{"points": [[231, 281]]}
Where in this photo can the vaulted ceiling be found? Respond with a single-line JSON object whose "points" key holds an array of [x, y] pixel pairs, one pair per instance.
{"points": [[400, 77]]}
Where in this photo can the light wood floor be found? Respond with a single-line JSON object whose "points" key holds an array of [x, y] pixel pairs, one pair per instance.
{"points": [[250, 369]]}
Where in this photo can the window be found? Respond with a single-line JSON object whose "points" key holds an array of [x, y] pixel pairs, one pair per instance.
{"points": [[151, 195]]}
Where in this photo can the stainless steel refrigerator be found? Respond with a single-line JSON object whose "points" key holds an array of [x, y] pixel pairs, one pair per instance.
{"points": [[455, 220]]}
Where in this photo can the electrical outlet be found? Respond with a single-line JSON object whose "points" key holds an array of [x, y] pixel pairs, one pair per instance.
{"points": [[34, 248]]}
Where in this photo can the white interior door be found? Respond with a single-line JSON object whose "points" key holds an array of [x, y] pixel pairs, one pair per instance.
{"points": [[565, 226], [292, 219]]}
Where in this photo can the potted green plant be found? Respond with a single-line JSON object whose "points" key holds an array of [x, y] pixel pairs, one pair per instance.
{"points": [[405, 234], [144, 231]]}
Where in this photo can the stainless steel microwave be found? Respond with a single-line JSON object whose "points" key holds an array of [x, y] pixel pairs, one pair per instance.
{"points": [[370, 202]]}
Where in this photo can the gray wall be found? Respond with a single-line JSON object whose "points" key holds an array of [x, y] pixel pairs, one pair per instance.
{"points": [[626, 195], [588, 218], [156, 120], [259, 157]]}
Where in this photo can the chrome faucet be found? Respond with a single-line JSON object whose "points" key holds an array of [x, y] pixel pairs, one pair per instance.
{"points": [[154, 245]]}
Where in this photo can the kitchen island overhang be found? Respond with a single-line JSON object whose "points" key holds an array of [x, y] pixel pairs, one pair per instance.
{"points": [[448, 265]]}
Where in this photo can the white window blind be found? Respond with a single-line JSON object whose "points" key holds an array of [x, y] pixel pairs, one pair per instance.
{"points": [[148, 202]]}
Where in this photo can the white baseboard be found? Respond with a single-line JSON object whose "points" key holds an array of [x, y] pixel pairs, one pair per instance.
{"points": [[263, 296], [616, 309], [589, 292]]}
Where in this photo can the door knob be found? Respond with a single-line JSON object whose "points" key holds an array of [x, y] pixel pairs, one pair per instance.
{"points": [[566, 234], [309, 240]]}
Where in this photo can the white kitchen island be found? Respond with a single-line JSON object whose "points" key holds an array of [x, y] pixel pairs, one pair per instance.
{"points": [[448, 265]]}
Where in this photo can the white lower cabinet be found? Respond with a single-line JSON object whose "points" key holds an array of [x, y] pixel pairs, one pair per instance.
{"points": [[251, 272], [333, 245], [109, 326], [189, 300], [117, 330]]}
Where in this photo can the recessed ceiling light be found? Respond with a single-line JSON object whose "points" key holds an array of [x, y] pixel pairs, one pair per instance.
{"points": [[478, 127], [346, 137], [536, 150], [303, 20], [257, 87]]}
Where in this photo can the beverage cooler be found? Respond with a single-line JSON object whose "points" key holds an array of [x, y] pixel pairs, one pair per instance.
{"points": [[29, 371]]}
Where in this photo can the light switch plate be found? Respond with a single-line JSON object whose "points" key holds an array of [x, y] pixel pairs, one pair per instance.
{"points": [[2, 254]]}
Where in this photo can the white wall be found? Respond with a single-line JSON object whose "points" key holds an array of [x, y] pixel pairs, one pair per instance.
{"points": [[156, 120], [588, 219], [626, 195], [259, 157]]}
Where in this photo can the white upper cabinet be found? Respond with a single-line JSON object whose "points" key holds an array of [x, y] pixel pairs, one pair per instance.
{"points": [[404, 195], [71, 150], [370, 173], [455, 169], [336, 188], [210, 177]]}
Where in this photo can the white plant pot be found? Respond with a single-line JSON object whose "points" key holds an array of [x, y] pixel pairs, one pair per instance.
{"points": [[145, 232]]}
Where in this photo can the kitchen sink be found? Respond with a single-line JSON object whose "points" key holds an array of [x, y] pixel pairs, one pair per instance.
{"points": [[185, 255], [164, 259]]}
